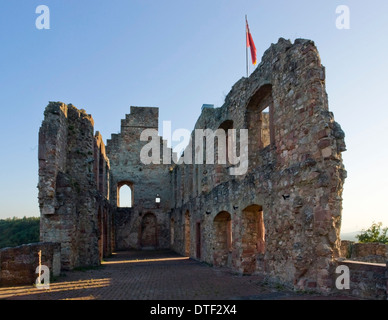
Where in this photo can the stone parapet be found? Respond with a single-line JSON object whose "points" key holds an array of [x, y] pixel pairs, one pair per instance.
{"points": [[366, 252], [367, 280], [18, 264]]}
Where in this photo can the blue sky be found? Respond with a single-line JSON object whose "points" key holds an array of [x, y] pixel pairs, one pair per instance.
{"points": [[104, 56]]}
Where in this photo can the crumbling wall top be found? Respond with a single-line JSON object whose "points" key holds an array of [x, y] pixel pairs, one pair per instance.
{"points": [[142, 117]]}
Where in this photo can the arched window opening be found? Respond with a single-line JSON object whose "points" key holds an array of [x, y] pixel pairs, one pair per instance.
{"points": [[226, 126], [260, 119], [221, 152], [125, 195]]}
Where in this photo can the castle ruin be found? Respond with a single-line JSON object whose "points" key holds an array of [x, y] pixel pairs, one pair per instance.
{"points": [[281, 218]]}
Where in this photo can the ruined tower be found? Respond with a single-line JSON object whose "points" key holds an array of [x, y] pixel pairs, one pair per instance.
{"points": [[144, 225], [73, 185]]}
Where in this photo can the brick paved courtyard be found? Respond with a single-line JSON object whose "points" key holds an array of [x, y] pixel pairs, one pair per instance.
{"points": [[154, 275]]}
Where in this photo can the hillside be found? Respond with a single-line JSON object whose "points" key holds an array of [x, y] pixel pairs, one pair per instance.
{"points": [[18, 231]]}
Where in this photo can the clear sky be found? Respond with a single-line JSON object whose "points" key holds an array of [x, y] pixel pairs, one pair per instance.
{"points": [[104, 56]]}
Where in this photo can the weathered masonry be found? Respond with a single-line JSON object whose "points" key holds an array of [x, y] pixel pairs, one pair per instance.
{"points": [[280, 218], [145, 224]]}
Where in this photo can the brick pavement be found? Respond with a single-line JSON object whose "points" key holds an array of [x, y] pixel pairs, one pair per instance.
{"points": [[154, 275]]}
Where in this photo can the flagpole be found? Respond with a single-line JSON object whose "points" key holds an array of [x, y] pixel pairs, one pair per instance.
{"points": [[246, 44]]}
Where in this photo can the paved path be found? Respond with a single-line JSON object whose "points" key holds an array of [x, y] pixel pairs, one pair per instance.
{"points": [[153, 275]]}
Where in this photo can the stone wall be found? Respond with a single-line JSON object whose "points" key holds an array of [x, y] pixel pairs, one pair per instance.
{"points": [[146, 224], [366, 252], [367, 280], [73, 186], [18, 265], [79, 182], [286, 209]]}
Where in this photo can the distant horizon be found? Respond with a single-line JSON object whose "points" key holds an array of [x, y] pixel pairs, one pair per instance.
{"points": [[346, 233]]}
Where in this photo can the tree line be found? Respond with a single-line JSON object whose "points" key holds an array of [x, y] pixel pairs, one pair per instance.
{"points": [[17, 231]]}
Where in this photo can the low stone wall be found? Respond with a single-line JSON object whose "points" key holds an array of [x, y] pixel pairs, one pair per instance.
{"points": [[367, 280], [366, 252], [18, 264]]}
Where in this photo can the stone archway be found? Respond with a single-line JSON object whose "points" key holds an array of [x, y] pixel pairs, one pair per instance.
{"points": [[222, 238], [125, 194], [260, 121], [148, 234], [252, 237], [221, 153]]}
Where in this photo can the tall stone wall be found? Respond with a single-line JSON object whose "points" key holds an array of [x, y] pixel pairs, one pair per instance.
{"points": [[286, 208], [146, 223], [71, 205]]}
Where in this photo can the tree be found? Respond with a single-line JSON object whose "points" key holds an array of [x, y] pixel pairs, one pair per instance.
{"points": [[17, 231], [376, 233]]}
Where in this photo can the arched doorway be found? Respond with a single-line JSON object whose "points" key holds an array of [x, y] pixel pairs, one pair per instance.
{"points": [[148, 234], [260, 122], [252, 237], [222, 159], [222, 238]]}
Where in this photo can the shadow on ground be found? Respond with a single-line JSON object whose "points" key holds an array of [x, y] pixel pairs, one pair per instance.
{"points": [[156, 275]]}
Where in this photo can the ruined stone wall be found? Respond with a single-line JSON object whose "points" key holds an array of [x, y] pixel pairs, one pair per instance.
{"points": [[18, 264], [294, 179], [72, 185], [366, 252], [367, 280], [145, 224], [105, 216], [275, 211]]}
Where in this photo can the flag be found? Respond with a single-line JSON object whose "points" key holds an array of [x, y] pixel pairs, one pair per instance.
{"points": [[251, 44]]}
